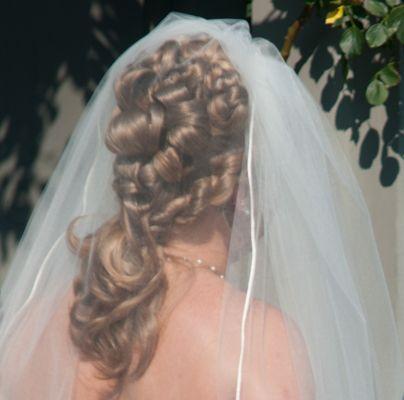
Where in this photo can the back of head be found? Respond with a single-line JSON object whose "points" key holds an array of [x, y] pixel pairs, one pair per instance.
{"points": [[177, 133]]}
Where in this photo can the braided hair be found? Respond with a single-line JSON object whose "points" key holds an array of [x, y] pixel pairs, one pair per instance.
{"points": [[178, 137]]}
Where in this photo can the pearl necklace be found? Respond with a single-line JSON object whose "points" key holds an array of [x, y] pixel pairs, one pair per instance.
{"points": [[197, 263]]}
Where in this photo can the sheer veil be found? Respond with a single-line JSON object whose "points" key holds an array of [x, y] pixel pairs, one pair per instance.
{"points": [[308, 251]]}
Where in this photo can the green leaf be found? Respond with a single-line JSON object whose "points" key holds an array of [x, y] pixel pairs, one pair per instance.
{"points": [[393, 3], [375, 7], [341, 21], [400, 33], [352, 41], [377, 35], [391, 31], [249, 9], [395, 18], [389, 75], [376, 92]]}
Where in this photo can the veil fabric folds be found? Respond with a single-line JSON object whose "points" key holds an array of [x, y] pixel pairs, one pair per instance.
{"points": [[301, 247]]}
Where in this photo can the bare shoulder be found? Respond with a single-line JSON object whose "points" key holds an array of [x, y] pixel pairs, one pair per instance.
{"points": [[277, 364], [276, 358], [280, 365]]}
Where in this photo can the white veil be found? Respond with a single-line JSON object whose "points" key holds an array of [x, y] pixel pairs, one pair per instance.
{"points": [[311, 251]]}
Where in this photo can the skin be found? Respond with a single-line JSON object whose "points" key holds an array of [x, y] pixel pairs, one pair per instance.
{"points": [[186, 363]]}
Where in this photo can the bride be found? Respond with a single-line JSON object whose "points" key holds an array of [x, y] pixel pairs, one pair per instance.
{"points": [[203, 237]]}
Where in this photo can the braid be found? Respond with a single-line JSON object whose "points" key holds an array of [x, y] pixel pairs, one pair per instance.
{"points": [[177, 136]]}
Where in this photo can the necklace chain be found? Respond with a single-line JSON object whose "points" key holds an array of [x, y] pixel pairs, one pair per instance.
{"points": [[196, 263]]}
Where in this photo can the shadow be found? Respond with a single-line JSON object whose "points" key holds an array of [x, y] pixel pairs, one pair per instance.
{"points": [[392, 140], [318, 45], [369, 149], [42, 45]]}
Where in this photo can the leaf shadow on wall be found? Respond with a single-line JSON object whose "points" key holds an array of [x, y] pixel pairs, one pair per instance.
{"points": [[317, 43], [43, 44]]}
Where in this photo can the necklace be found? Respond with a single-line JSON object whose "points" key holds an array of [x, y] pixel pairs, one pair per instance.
{"points": [[196, 263]]}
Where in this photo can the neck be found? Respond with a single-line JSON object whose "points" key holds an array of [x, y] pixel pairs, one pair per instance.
{"points": [[207, 238]]}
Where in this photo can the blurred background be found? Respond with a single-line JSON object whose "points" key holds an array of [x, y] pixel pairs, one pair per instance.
{"points": [[348, 53]]}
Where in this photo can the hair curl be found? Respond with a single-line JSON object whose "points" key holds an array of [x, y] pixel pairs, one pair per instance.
{"points": [[178, 139]]}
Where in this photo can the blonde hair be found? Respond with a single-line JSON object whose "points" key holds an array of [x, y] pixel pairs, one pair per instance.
{"points": [[178, 139]]}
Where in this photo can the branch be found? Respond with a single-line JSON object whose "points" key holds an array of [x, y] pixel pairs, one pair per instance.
{"points": [[294, 29]]}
